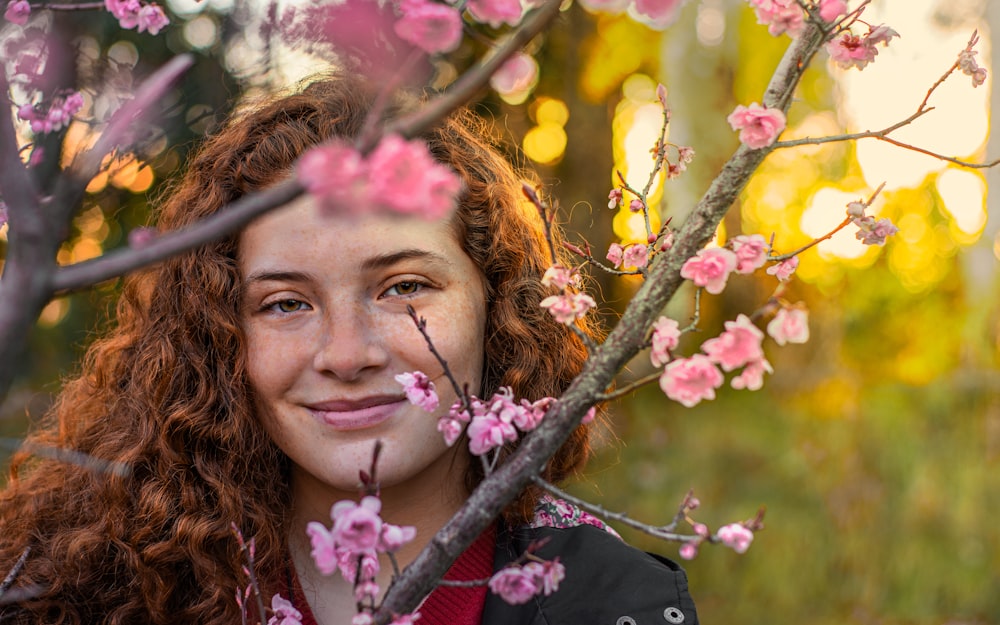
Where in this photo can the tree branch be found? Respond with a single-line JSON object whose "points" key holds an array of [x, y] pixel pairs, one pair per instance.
{"points": [[490, 497]]}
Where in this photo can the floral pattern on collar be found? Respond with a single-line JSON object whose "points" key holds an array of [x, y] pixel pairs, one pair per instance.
{"points": [[557, 513]]}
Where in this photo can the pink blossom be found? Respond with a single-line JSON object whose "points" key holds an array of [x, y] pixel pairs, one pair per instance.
{"points": [[548, 574], [559, 277], [710, 268], [661, 95], [616, 254], [515, 584], [533, 413], [780, 16], [324, 552], [363, 618], [871, 232], [590, 416], [357, 527], [660, 12], [495, 12], [666, 335], [737, 345], [365, 590], [151, 19], [700, 529], [737, 536], [517, 75], [419, 390], [336, 174], [125, 11], [636, 205], [431, 26], [752, 376], [830, 10], [790, 325], [141, 237], [784, 270], [404, 177], [689, 550], [970, 67], [489, 431], [569, 307], [283, 612], [690, 380], [347, 562], [667, 241], [751, 252], [848, 50], [405, 619], [636, 256], [17, 12], [452, 424], [759, 126], [614, 198], [395, 536]]}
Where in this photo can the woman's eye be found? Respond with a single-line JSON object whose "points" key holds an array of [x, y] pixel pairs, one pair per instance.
{"points": [[288, 305], [404, 288]]}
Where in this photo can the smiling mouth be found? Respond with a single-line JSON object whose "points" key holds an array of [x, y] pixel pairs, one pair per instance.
{"points": [[357, 415]]}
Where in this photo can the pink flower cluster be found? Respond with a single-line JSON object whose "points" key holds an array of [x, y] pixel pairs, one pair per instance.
{"points": [[419, 390], [17, 12], [497, 421], [970, 67], [518, 584], [635, 255], [849, 50], [142, 17], [790, 325], [283, 612], [759, 126], [666, 336], [431, 26], [58, 114], [568, 307], [560, 277], [784, 269], [870, 231], [691, 380], [735, 535], [710, 268], [780, 16], [518, 75], [358, 534], [398, 176]]}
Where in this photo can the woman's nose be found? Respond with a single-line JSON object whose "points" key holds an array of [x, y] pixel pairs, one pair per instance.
{"points": [[350, 344]]}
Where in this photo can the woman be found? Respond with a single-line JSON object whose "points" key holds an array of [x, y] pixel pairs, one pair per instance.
{"points": [[246, 382]]}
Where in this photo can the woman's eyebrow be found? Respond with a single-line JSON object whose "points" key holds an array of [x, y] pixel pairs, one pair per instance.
{"points": [[269, 275], [387, 260]]}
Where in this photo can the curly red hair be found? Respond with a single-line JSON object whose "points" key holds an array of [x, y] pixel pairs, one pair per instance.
{"points": [[167, 394]]}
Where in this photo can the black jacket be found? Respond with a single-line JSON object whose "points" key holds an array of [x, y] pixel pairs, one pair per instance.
{"points": [[608, 582]]}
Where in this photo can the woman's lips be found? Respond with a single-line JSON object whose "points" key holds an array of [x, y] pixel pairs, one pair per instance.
{"points": [[359, 414]]}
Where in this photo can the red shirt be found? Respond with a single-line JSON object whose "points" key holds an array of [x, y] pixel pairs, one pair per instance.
{"points": [[447, 605]]}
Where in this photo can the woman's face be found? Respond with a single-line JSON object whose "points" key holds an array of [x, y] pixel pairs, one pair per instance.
{"points": [[324, 311]]}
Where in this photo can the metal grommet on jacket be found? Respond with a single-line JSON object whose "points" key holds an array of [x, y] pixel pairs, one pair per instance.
{"points": [[673, 615], [625, 620]]}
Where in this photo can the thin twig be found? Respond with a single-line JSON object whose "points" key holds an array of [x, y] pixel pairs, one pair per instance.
{"points": [[631, 386], [532, 195], [69, 456], [14, 571], [664, 532], [422, 327], [828, 235]]}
